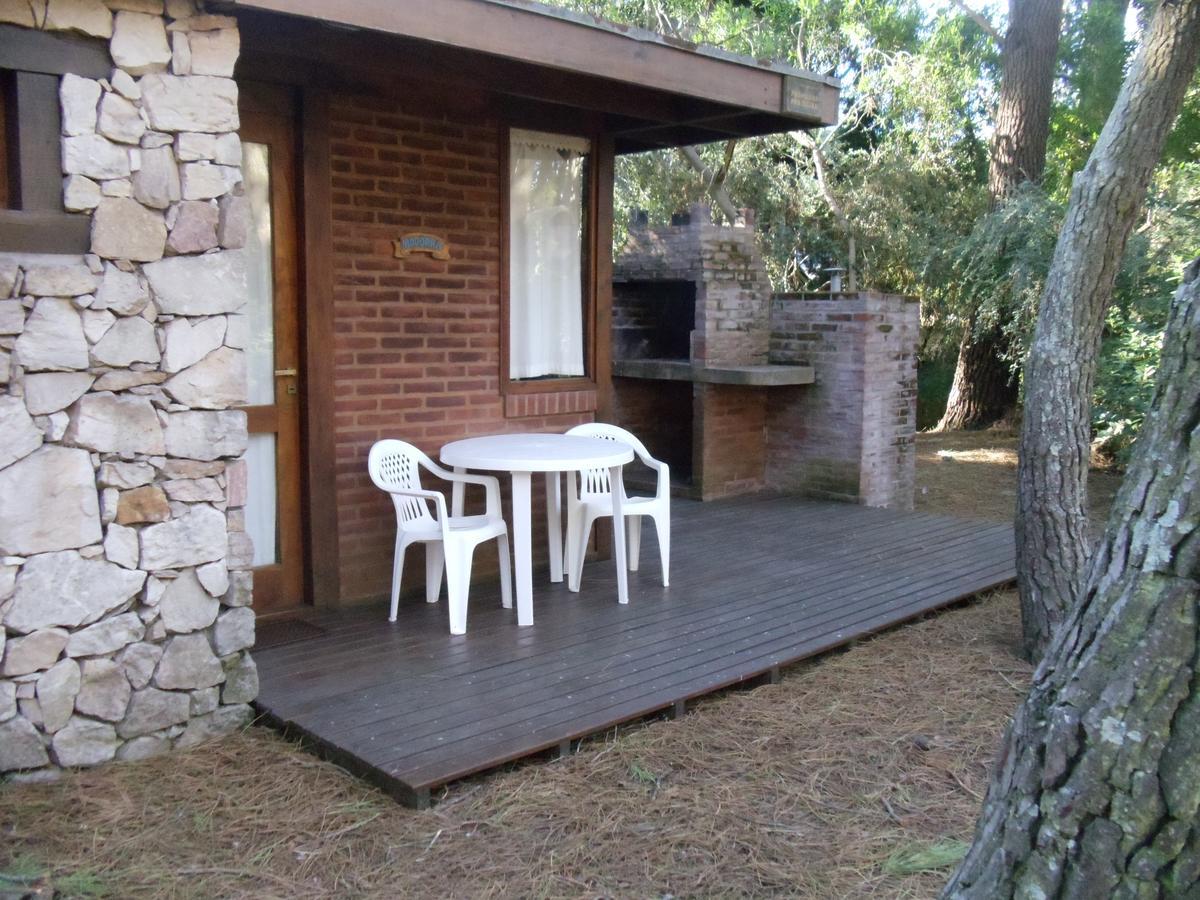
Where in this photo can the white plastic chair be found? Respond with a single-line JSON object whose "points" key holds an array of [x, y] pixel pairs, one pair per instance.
{"points": [[592, 498], [450, 540]]}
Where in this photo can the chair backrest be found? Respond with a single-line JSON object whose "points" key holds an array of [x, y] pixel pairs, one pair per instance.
{"points": [[395, 467], [596, 481]]}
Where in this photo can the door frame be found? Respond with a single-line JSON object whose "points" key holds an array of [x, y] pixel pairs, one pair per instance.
{"points": [[317, 434], [314, 241], [276, 114], [318, 495]]}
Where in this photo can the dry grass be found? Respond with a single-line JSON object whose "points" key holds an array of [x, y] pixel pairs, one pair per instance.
{"points": [[974, 474], [819, 787]]}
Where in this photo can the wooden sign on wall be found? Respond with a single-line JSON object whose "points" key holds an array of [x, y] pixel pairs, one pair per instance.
{"points": [[419, 242]]}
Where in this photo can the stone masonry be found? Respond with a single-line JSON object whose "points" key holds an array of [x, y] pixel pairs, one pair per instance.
{"points": [[852, 434], [124, 566]]}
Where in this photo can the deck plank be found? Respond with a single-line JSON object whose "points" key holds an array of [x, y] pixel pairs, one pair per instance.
{"points": [[829, 601], [756, 583]]}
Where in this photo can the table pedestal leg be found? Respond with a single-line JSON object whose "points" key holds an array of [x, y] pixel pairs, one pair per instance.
{"points": [[456, 494], [554, 525], [617, 485], [522, 547]]}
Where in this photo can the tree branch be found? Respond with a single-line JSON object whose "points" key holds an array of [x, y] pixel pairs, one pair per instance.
{"points": [[716, 187], [821, 165], [981, 20], [723, 172]]}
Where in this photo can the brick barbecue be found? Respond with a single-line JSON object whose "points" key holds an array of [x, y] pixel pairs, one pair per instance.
{"points": [[740, 390]]}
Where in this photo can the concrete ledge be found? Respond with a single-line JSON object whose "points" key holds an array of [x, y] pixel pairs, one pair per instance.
{"points": [[682, 370]]}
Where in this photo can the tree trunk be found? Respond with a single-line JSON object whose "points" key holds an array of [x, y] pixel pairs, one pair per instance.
{"points": [[1026, 86], [1097, 789], [1052, 542], [984, 390]]}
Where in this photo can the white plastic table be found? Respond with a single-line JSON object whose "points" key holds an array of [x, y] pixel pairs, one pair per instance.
{"points": [[524, 454]]}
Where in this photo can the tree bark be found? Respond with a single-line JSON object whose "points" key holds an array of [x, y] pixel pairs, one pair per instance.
{"points": [[1018, 152], [1052, 541], [984, 390], [1096, 791]]}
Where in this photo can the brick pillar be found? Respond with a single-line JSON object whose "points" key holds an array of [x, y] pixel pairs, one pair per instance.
{"points": [[730, 448], [851, 435]]}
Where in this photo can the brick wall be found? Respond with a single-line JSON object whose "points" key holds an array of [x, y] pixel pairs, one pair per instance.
{"points": [[732, 290], [851, 436], [732, 431], [660, 414], [719, 428], [417, 342]]}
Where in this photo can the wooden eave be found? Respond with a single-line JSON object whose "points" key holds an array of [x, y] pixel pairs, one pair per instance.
{"points": [[651, 92]]}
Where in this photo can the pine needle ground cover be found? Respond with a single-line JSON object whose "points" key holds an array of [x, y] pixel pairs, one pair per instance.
{"points": [[860, 775]]}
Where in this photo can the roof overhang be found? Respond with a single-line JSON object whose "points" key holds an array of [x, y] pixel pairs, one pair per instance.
{"points": [[656, 91]]}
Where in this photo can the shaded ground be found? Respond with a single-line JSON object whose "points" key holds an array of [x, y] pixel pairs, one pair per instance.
{"points": [[822, 786], [974, 474]]}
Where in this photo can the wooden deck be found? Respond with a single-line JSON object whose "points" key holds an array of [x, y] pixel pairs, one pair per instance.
{"points": [[757, 583]]}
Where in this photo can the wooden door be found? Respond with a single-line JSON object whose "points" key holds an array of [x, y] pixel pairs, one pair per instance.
{"points": [[273, 351]]}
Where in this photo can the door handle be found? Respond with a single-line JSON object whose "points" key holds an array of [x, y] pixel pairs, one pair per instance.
{"points": [[286, 373]]}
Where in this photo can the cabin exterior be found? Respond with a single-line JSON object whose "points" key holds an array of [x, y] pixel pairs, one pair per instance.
{"points": [[242, 242]]}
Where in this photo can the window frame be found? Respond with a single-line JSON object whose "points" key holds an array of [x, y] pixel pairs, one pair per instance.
{"points": [[36, 221], [588, 381]]}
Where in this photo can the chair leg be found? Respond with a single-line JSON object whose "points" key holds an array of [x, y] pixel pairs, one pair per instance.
{"points": [[633, 524], [397, 575], [662, 524], [458, 585], [583, 530], [505, 572], [435, 562]]}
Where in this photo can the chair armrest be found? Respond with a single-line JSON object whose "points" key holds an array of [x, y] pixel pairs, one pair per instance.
{"points": [[663, 488], [489, 482], [439, 500]]}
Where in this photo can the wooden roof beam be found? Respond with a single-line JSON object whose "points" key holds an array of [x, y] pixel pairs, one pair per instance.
{"points": [[534, 34]]}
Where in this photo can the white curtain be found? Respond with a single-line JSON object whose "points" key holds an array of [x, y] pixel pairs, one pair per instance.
{"points": [[261, 502], [545, 284], [260, 349]]}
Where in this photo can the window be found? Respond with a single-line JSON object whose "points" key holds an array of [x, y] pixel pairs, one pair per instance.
{"points": [[548, 262], [6, 159], [32, 64]]}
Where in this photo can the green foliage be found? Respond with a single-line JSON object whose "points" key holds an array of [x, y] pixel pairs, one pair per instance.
{"points": [[908, 159], [934, 378], [25, 876], [999, 270], [1092, 58], [1158, 252], [908, 170], [913, 858]]}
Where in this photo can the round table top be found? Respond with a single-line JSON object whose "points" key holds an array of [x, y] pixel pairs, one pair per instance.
{"points": [[535, 453]]}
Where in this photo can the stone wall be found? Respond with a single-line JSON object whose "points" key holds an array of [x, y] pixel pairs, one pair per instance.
{"points": [[852, 435], [124, 566]]}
